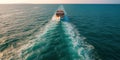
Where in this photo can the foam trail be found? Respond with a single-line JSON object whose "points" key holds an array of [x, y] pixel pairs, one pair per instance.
{"points": [[67, 40], [84, 50], [80, 47], [38, 42], [51, 25]]}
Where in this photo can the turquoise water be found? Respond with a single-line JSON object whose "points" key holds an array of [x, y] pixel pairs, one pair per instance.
{"points": [[28, 32]]}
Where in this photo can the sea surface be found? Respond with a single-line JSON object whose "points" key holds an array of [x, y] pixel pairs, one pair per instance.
{"points": [[27, 32]]}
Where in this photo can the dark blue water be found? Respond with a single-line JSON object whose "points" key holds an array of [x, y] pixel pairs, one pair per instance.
{"points": [[92, 32], [100, 24]]}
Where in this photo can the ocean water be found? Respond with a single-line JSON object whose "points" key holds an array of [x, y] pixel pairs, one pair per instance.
{"points": [[92, 32]]}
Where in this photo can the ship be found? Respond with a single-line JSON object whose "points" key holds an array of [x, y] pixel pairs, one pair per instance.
{"points": [[60, 13]]}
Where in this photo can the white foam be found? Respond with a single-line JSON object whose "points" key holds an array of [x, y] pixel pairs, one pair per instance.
{"points": [[79, 44], [49, 26]]}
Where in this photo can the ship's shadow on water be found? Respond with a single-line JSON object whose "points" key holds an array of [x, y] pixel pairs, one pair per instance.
{"points": [[65, 19]]}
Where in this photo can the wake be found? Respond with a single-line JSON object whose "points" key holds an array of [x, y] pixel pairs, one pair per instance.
{"points": [[59, 40], [80, 48], [30, 49]]}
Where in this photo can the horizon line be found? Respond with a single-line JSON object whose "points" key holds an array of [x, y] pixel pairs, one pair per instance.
{"points": [[59, 3]]}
